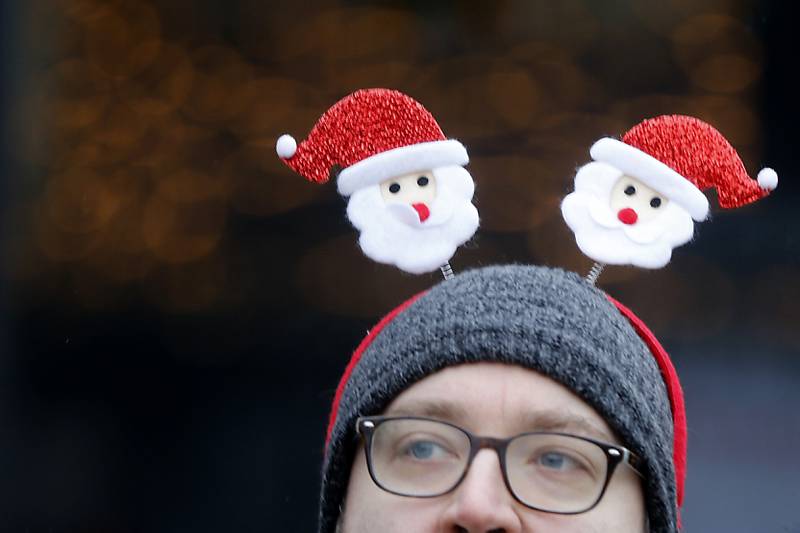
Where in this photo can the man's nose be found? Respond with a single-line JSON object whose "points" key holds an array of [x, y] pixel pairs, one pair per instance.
{"points": [[482, 503]]}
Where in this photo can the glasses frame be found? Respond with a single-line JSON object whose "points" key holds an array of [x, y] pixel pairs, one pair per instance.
{"points": [[614, 454]]}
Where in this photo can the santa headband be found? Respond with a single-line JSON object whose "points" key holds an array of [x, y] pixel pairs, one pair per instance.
{"points": [[368, 137], [680, 157], [506, 314]]}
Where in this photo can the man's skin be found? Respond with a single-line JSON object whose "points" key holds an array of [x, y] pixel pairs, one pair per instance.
{"points": [[492, 399]]}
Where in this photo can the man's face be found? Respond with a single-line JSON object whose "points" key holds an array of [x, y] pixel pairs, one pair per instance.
{"points": [[496, 400]]}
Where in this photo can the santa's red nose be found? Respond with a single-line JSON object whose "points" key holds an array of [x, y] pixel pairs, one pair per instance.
{"points": [[627, 216], [422, 211]]}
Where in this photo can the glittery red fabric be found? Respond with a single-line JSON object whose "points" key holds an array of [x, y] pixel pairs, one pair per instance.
{"points": [[698, 152], [365, 123]]}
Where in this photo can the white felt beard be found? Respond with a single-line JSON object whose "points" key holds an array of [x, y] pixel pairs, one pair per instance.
{"points": [[420, 247], [604, 238]]}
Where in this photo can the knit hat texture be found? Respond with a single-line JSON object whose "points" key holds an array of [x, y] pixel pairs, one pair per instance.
{"points": [[540, 318]]}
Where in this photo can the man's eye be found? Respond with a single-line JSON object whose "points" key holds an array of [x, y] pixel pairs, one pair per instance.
{"points": [[655, 202], [557, 461], [424, 449], [630, 190], [422, 181], [394, 188]]}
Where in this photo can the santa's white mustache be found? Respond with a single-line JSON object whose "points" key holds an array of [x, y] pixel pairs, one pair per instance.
{"points": [[420, 215], [642, 233]]}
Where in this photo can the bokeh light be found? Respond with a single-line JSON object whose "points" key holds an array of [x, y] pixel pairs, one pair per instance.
{"points": [[156, 137], [175, 292]]}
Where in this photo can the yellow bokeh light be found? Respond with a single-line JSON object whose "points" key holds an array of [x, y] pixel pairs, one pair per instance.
{"points": [[275, 107], [717, 52], [123, 39], [163, 86], [262, 185], [513, 192], [120, 130], [726, 73], [358, 34], [80, 98], [186, 186], [177, 232], [221, 88], [79, 201], [148, 128], [514, 96], [730, 115], [62, 246]]}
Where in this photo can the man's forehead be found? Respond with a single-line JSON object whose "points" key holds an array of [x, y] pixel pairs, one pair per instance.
{"points": [[499, 397]]}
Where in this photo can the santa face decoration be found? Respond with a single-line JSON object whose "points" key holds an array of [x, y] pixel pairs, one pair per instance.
{"points": [[415, 221], [638, 199], [417, 190], [635, 202], [409, 195], [619, 220]]}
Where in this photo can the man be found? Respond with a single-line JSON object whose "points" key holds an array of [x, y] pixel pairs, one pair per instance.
{"points": [[509, 399]]}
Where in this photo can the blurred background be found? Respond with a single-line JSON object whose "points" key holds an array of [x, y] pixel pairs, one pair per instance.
{"points": [[177, 306]]}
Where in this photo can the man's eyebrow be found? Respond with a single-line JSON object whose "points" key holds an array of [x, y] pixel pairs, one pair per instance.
{"points": [[439, 409], [563, 421], [544, 420]]}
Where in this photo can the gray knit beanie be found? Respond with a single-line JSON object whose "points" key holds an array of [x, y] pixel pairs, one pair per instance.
{"points": [[544, 319]]}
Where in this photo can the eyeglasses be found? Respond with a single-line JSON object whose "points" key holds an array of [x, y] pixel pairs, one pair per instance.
{"points": [[551, 472]]}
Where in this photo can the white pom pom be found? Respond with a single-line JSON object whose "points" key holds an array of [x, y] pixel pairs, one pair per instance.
{"points": [[286, 146], [767, 179]]}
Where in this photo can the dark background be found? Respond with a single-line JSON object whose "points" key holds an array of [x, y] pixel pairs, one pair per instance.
{"points": [[177, 306]]}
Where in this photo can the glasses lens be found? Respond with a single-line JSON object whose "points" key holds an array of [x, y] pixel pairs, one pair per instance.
{"points": [[418, 457], [556, 473]]}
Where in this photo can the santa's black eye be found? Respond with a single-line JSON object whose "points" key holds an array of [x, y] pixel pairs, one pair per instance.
{"points": [[394, 188], [655, 202], [630, 190], [422, 181]]}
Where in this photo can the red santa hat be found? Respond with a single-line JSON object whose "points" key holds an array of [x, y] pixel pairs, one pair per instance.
{"points": [[682, 156], [370, 136]]}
